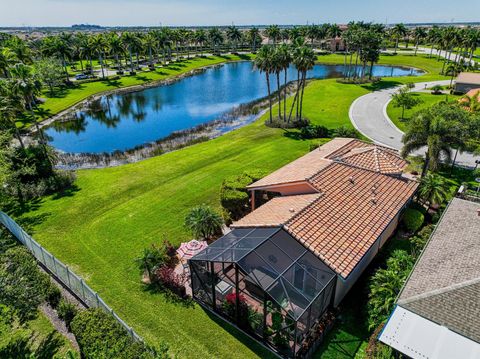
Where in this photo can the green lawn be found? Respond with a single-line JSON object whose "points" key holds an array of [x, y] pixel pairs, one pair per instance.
{"points": [[102, 225], [427, 99]]}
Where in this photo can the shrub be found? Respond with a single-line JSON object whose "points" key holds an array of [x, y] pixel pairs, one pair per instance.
{"points": [[66, 311], [385, 285], [314, 131], [155, 257], [413, 219], [204, 222], [167, 277], [344, 131], [99, 335], [52, 294]]}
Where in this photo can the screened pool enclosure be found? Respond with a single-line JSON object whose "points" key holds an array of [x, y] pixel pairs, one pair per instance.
{"points": [[265, 282]]}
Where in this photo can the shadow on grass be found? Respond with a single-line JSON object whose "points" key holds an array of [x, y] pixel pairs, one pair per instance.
{"points": [[170, 297], [67, 192], [49, 346], [381, 85], [294, 135], [250, 343]]}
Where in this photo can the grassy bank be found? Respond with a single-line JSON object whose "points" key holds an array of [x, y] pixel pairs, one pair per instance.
{"points": [[395, 113], [102, 225]]}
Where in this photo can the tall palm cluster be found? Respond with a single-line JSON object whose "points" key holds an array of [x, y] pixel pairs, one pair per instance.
{"points": [[363, 41], [274, 61]]}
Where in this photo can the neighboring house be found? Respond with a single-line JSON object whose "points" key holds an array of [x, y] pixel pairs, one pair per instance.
{"points": [[438, 310], [467, 81], [295, 256]]}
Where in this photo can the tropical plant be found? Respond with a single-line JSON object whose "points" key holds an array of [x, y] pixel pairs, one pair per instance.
{"points": [[234, 36], [50, 72], [438, 128], [405, 99], [254, 38], [273, 33], [433, 189], [412, 219], [419, 34], [385, 285], [152, 258], [264, 63], [398, 32], [204, 222]]}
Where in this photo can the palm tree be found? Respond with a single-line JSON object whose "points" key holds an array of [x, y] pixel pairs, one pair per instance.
{"points": [[21, 50], [438, 128], [304, 59], [234, 35], [130, 41], [116, 48], [254, 38], [99, 45], [398, 31], [419, 34], [151, 44], [216, 39], [204, 222], [433, 189], [471, 103], [284, 57], [7, 59], [59, 46], [10, 107], [264, 63], [273, 34], [200, 39]]}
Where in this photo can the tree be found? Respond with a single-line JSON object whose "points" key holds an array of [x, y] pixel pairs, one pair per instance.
{"points": [[438, 128], [10, 107], [433, 189], [216, 39], [304, 59], [264, 63], [398, 31], [61, 47], [50, 72], [7, 59], [201, 38], [419, 34], [273, 34], [116, 48], [254, 38], [234, 36], [405, 99], [204, 222], [152, 258]]}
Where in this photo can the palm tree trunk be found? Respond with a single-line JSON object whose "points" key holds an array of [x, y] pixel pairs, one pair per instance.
{"points": [[267, 76], [396, 46], [425, 164], [285, 94], [304, 77], [298, 94], [416, 48], [101, 65], [279, 95]]}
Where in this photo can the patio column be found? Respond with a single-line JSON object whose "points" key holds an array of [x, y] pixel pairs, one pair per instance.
{"points": [[252, 199], [214, 300], [237, 299]]}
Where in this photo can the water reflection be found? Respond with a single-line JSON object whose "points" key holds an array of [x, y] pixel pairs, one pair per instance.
{"points": [[123, 121]]}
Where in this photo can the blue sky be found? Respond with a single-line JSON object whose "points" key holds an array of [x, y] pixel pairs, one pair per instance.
{"points": [[240, 12]]}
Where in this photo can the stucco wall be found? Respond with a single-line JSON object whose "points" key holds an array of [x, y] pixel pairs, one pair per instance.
{"points": [[343, 286]]}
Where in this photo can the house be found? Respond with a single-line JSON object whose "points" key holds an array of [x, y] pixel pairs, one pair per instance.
{"points": [[467, 81], [438, 310], [289, 260]]}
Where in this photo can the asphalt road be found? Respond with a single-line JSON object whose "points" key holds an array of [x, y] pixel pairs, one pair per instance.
{"points": [[369, 116]]}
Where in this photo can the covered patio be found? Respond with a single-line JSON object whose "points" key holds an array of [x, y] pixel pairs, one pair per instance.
{"points": [[266, 283]]}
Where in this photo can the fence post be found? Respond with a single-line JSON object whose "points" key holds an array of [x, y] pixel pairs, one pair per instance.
{"points": [[54, 260], [83, 289], [68, 277], [43, 255], [98, 300]]}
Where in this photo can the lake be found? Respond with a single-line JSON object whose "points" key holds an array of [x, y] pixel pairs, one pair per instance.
{"points": [[124, 121]]}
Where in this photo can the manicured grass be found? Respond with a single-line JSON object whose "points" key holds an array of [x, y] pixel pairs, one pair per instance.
{"points": [[102, 225], [427, 99]]}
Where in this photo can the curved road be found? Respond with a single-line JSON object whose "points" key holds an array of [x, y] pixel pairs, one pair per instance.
{"points": [[368, 114]]}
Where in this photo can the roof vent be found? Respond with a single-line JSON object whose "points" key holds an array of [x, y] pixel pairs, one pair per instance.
{"points": [[292, 210], [351, 179], [374, 189], [373, 200]]}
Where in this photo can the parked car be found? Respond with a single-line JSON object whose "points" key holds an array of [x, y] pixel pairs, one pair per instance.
{"points": [[81, 77]]}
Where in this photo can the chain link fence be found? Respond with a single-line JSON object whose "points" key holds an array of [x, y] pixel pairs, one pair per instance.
{"points": [[62, 273]]}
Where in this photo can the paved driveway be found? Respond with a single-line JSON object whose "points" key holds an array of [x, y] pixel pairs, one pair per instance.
{"points": [[369, 116]]}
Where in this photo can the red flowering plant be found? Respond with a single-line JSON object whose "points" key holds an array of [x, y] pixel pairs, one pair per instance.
{"points": [[167, 277]]}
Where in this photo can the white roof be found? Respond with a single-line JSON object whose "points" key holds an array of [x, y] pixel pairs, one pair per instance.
{"points": [[420, 338]]}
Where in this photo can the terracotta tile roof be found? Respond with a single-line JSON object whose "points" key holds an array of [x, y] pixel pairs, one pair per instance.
{"points": [[468, 78], [304, 167], [471, 93], [356, 206], [277, 211], [375, 158]]}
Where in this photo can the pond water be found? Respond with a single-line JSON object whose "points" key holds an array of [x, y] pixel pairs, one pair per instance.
{"points": [[124, 121]]}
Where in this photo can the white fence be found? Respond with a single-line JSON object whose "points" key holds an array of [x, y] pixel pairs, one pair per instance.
{"points": [[69, 279]]}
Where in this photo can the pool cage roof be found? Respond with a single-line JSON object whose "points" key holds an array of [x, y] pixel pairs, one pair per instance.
{"points": [[274, 260]]}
